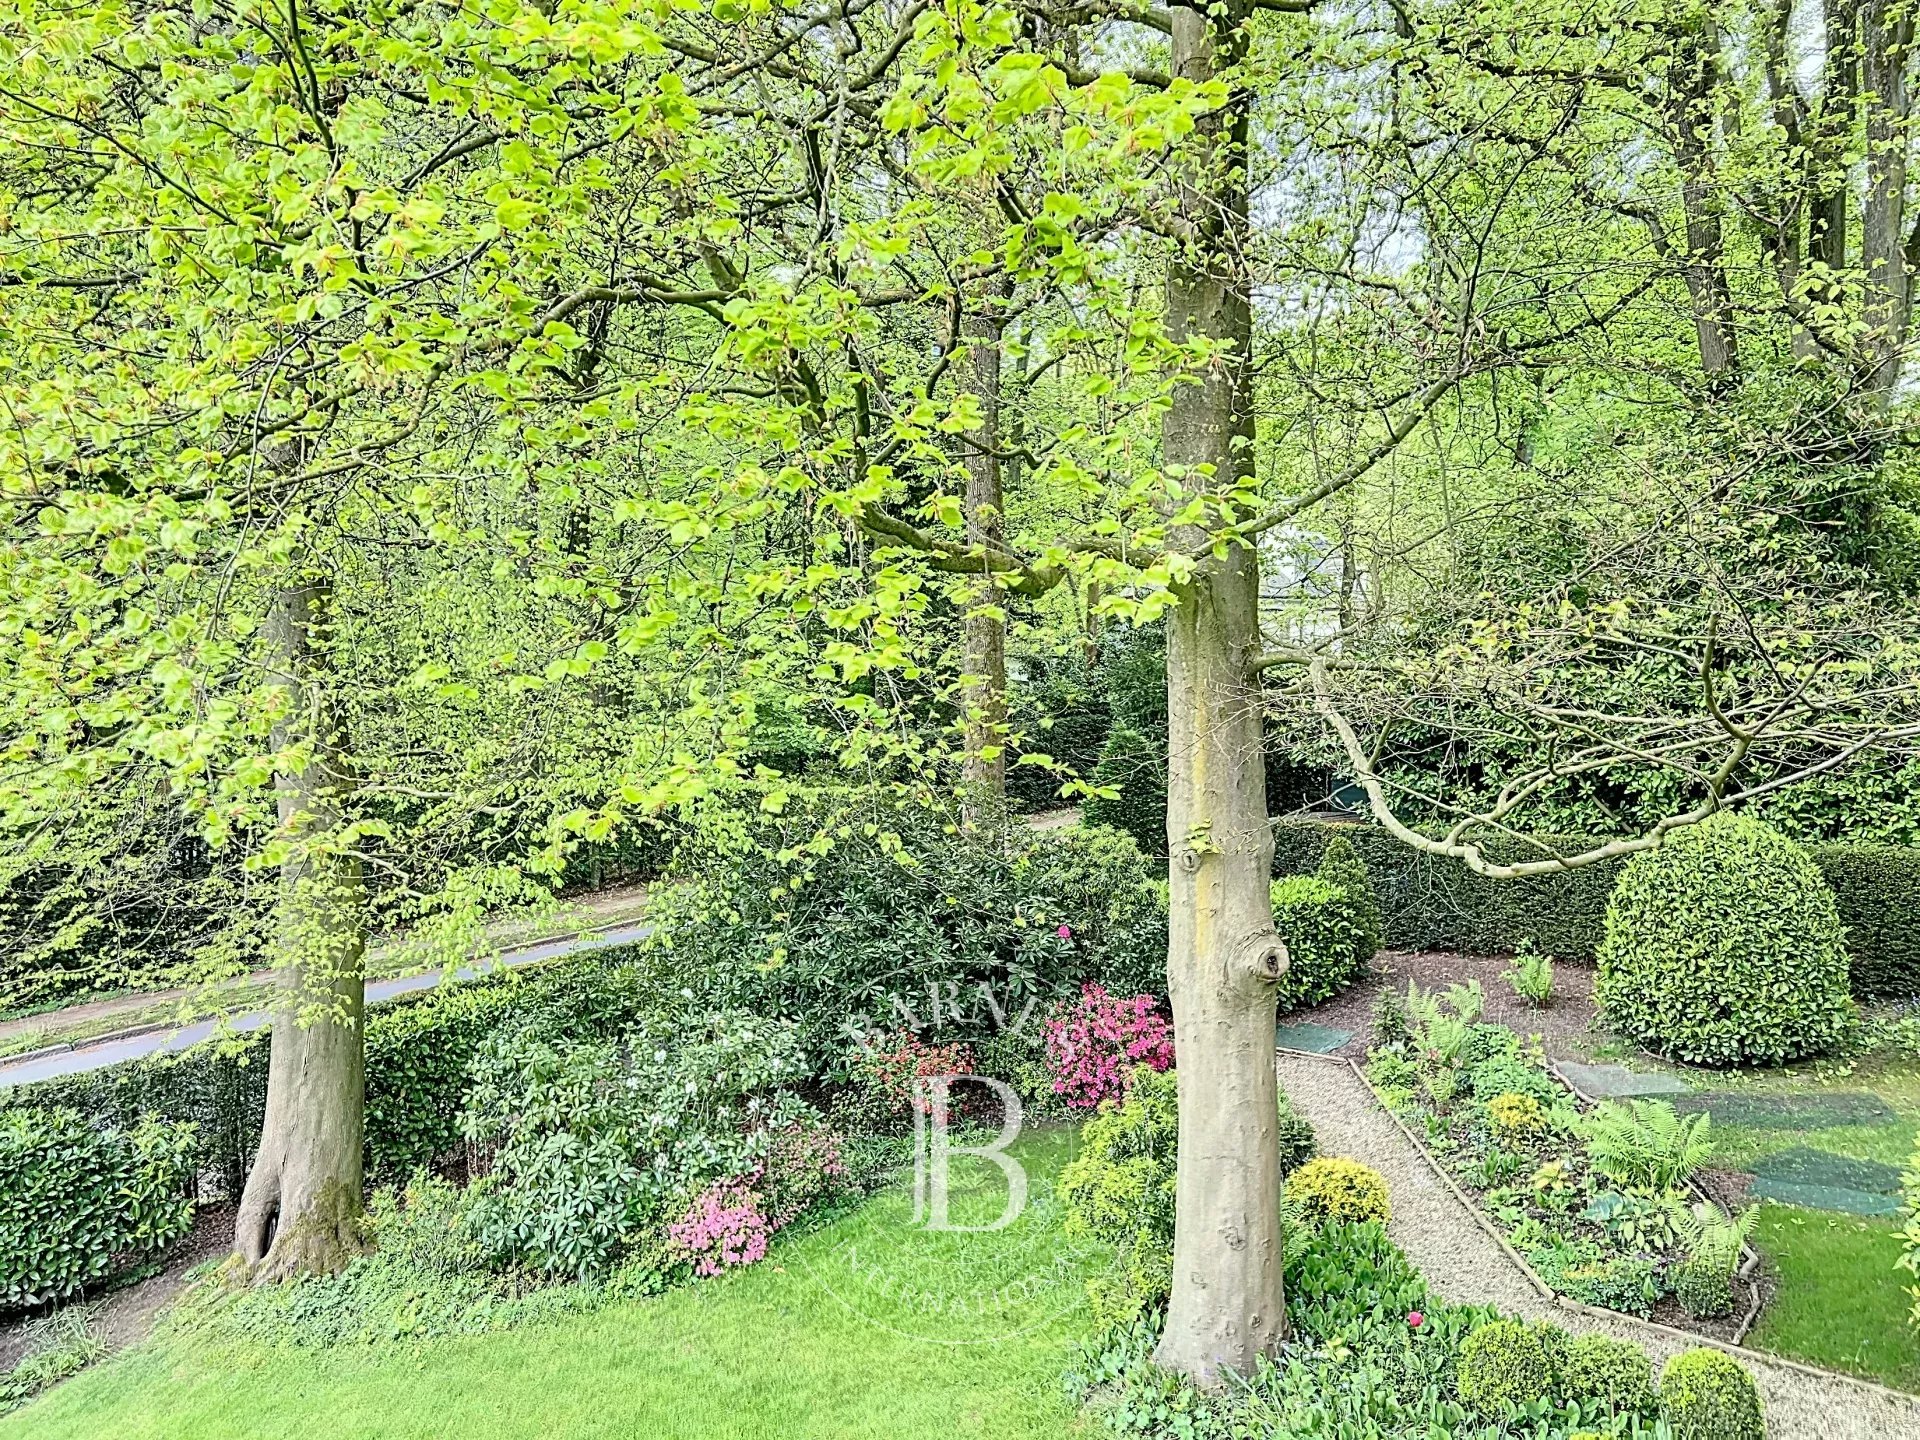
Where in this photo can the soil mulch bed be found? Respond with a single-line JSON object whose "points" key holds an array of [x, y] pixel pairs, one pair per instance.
{"points": [[1565, 1025]]}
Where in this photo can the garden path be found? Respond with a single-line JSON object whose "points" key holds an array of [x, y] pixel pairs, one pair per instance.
{"points": [[1466, 1265]]}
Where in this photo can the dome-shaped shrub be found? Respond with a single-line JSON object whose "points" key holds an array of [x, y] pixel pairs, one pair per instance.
{"points": [[1705, 1395], [1507, 1364], [1723, 947]]}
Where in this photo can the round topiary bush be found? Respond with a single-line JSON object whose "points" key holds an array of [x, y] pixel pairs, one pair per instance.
{"points": [[1705, 1395], [1723, 947], [1508, 1364], [1332, 1188], [1616, 1373], [1341, 865]]}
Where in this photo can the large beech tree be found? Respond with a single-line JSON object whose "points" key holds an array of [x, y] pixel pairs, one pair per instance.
{"points": [[422, 411]]}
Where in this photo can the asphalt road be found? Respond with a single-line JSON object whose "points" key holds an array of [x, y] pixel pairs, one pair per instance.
{"points": [[110, 1050]]}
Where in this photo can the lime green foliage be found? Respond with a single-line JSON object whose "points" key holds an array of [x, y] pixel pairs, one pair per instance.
{"points": [[1333, 1188], [1910, 1232], [1531, 974], [1647, 1144], [1703, 1283], [1617, 1373], [1840, 1302], [1321, 927], [1707, 1395], [1723, 947], [78, 1201], [1516, 1118], [1510, 1364], [1118, 1191], [1342, 866], [764, 1353]]}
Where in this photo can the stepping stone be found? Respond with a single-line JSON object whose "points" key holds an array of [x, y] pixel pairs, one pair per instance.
{"points": [[1788, 1112], [1818, 1180], [1616, 1082], [1320, 1039], [1840, 1198]]}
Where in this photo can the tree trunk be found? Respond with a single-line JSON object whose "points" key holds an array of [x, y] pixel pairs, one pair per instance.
{"points": [[1885, 45], [1223, 956], [984, 686], [301, 1206], [1691, 92]]}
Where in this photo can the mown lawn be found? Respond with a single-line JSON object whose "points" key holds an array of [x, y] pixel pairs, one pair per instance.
{"points": [[1841, 1303], [867, 1327]]}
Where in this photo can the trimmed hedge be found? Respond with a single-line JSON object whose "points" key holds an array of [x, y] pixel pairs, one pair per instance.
{"points": [[418, 1052], [1431, 903], [1724, 947], [1320, 925], [78, 1201]]}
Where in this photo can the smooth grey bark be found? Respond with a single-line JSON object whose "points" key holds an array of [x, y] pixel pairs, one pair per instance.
{"points": [[301, 1206], [1886, 42], [984, 688], [1227, 1304]]}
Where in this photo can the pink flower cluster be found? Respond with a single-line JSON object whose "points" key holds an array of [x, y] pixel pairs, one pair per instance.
{"points": [[1092, 1046], [724, 1227]]}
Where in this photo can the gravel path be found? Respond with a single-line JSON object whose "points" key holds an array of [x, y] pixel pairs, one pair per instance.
{"points": [[1465, 1264]]}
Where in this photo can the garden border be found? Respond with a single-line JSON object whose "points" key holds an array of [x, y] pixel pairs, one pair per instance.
{"points": [[1749, 1264], [1546, 1292]]}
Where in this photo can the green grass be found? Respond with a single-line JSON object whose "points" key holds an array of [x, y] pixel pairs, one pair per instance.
{"points": [[866, 1327], [1841, 1303]]}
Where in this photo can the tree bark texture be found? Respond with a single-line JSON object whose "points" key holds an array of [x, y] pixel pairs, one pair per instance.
{"points": [[1227, 1304], [984, 687], [301, 1206]]}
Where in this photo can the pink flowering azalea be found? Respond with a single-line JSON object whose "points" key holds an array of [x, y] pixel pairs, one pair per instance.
{"points": [[721, 1229], [1065, 932], [1094, 1045], [1416, 1319]]}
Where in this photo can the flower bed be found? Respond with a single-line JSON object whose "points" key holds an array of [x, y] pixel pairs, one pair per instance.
{"points": [[1598, 1199]]}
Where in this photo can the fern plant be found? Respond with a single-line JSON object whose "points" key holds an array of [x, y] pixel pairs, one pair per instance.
{"points": [[1647, 1144], [1531, 975], [1713, 1238]]}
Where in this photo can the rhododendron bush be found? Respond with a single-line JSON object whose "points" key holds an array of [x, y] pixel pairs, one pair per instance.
{"points": [[1095, 1043]]}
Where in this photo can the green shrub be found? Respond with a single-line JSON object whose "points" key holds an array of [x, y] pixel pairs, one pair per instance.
{"points": [[1615, 1373], [1504, 1075], [1317, 922], [78, 1201], [1625, 1283], [1341, 865], [1909, 1260], [1333, 1188], [1876, 889], [1511, 1364], [592, 1141], [1119, 1190], [418, 1050], [1723, 948], [1134, 766], [1706, 1395], [1297, 1142], [1530, 975], [833, 922], [1429, 902], [1704, 1290]]}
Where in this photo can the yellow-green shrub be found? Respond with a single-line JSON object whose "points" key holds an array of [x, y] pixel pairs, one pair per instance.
{"points": [[1333, 1188], [1705, 1395]]}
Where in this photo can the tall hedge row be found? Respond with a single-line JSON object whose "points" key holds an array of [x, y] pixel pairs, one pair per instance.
{"points": [[1431, 903], [417, 1055]]}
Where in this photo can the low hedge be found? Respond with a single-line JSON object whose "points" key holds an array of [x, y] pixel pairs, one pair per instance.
{"points": [[418, 1051], [1428, 902], [79, 1200]]}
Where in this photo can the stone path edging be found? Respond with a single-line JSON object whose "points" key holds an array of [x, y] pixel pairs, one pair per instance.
{"points": [[1803, 1401]]}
